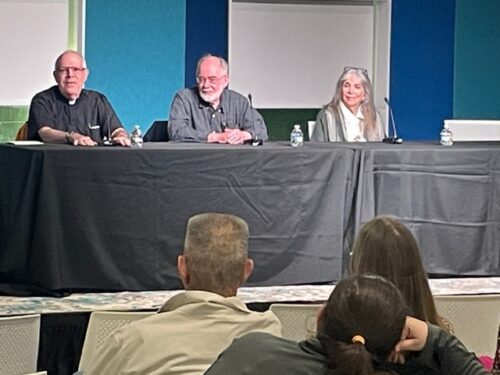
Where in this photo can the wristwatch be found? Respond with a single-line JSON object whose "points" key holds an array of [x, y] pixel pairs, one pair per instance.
{"points": [[69, 138]]}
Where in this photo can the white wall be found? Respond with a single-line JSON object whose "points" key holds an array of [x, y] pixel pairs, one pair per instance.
{"points": [[291, 55], [32, 34]]}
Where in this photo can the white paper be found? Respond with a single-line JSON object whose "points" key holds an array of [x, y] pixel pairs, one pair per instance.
{"points": [[25, 143]]}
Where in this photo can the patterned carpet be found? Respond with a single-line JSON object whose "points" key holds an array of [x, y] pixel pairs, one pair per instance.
{"points": [[154, 299]]}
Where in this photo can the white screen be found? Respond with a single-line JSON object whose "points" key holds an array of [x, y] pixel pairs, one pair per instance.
{"points": [[32, 35], [291, 55]]}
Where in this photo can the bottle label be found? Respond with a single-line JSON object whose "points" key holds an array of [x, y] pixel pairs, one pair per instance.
{"points": [[446, 140], [296, 139]]}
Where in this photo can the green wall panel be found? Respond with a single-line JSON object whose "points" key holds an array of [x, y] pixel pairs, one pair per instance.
{"points": [[280, 121], [477, 57], [11, 118]]}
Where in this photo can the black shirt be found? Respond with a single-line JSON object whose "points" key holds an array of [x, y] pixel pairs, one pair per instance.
{"points": [[91, 114]]}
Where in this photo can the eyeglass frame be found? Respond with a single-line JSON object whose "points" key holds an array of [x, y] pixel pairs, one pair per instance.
{"points": [[66, 70], [211, 80]]}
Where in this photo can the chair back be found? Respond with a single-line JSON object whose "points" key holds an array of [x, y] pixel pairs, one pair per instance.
{"points": [[310, 128], [496, 356], [475, 319], [19, 338], [22, 132], [101, 325], [157, 132], [298, 321]]}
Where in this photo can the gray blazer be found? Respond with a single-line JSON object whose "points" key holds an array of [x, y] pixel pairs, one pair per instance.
{"points": [[330, 127]]}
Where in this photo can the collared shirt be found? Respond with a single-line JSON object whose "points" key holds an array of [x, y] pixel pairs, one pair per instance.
{"points": [[188, 334], [330, 127], [91, 114], [354, 132], [193, 119]]}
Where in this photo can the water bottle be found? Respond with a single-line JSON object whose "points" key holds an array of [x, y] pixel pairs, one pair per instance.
{"points": [[136, 140], [446, 135], [296, 136]]}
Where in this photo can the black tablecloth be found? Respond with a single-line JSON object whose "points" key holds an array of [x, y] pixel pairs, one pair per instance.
{"points": [[449, 197], [109, 219]]}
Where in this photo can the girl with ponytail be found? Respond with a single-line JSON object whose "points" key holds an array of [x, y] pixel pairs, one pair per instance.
{"points": [[360, 325], [363, 329]]}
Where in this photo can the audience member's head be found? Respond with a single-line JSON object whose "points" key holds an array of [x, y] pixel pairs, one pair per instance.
{"points": [[361, 323], [355, 90], [215, 256], [212, 77], [385, 247], [70, 73]]}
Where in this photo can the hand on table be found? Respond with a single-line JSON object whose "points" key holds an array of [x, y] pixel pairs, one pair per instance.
{"points": [[81, 140], [237, 136], [122, 140], [231, 136]]}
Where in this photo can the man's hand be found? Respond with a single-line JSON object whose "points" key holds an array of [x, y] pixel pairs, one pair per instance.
{"points": [[217, 137], [122, 140], [231, 136], [413, 338], [81, 140], [237, 136], [121, 137]]}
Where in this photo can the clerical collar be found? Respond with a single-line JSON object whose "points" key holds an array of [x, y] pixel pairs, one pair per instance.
{"points": [[65, 99]]}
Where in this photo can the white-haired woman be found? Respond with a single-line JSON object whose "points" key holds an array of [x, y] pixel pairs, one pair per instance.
{"points": [[351, 115]]}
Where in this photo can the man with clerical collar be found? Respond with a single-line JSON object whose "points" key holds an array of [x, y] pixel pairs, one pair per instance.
{"points": [[211, 112], [68, 113]]}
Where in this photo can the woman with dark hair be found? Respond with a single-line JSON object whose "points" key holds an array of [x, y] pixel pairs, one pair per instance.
{"points": [[384, 246], [363, 324], [351, 115], [354, 343]]}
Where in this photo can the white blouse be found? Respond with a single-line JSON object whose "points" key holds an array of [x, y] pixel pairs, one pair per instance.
{"points": [[352, 124]]}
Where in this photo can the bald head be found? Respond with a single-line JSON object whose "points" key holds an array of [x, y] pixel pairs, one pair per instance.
{"points": [[70, 54], [70, 73]]}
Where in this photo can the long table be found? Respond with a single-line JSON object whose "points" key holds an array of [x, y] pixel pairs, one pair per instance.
{"points": [[110, 219], [449, 197]]}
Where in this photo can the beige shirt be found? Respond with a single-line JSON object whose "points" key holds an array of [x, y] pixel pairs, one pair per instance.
{"points": [[185, 338]]}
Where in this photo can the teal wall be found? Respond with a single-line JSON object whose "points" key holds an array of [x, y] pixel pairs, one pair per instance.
{"points": [[477, 59], [444, 60], [135, 51]]}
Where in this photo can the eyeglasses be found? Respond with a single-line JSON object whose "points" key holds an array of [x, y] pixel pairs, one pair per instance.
{"points": [[362, 70], [210, 80], [70, 69]]}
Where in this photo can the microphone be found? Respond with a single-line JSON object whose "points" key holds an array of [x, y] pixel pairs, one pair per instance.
{"points": [[394, 139], [255, 141]]}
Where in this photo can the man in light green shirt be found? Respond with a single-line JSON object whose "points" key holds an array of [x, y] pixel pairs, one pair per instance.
{"points": [[195, 326]]}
